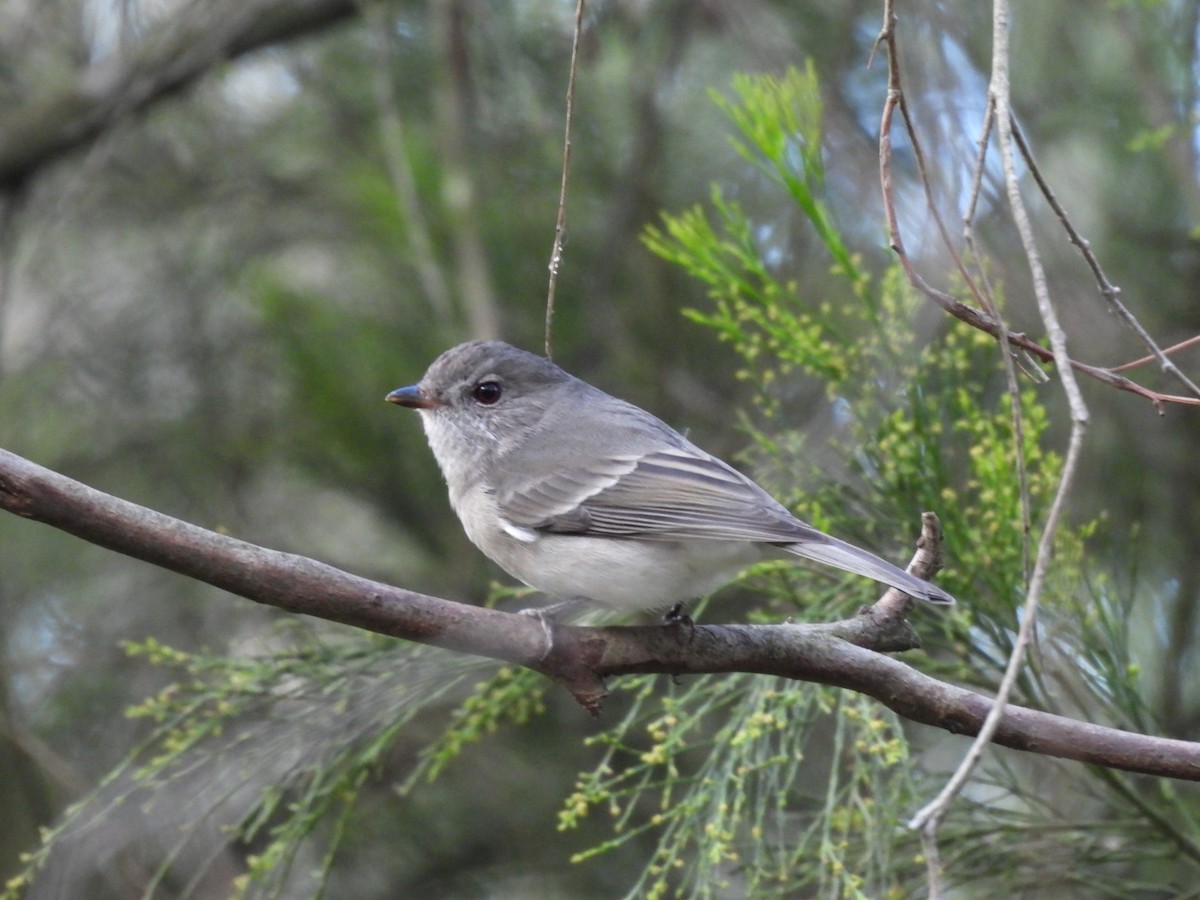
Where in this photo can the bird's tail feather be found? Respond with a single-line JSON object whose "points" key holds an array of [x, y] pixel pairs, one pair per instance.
{"points": [[853, 559]]}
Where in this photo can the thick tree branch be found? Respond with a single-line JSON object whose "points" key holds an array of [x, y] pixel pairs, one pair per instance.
{"points": [[168, 59], [849, 654]]}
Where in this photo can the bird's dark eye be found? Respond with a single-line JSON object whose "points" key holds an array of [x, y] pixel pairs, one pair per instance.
{"points": [[487, 392]]}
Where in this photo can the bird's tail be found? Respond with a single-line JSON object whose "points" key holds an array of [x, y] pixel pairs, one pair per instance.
{"points": [[837, 553]]}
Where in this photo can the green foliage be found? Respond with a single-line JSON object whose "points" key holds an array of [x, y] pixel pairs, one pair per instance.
{"points": [[720, 768], [511, 696], [752, 307], [312, 722], [780, 123]]}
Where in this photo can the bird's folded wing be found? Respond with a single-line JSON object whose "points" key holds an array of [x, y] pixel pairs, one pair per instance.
{"points": [[664, 495]]}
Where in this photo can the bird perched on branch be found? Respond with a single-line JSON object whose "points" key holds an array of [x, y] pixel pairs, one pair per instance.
{"points": [[588, 498]]}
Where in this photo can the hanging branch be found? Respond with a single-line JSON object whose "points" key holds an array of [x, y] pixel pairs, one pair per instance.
{"points": [[930, 817], [560, 223]]}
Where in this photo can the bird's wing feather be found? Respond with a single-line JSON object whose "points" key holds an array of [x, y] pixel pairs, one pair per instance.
{"points": [[682, 494], [673, 494]]}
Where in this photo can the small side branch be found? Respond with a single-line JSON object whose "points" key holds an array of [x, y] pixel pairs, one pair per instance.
{"points": [[1109, 291]]}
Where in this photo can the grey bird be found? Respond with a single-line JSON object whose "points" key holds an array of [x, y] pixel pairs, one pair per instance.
{"points": [[588, 498]]}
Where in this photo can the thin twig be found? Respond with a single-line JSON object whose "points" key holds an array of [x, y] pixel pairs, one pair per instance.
{"points": [[1109, 291], [560, 223], [1174, 348], [981, 145], [896, 99]]}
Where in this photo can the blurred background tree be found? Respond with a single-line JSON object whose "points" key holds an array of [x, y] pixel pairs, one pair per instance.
{"points": [[203, 302]]}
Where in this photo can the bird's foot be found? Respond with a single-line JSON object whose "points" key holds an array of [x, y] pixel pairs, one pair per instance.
{"points": [[676, 616]]}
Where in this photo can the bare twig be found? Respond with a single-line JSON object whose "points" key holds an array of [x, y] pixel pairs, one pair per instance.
{"points": [[560, 223], [981, 320], [981, 145], [895, 100], [1109, 291], [1174, 348]]}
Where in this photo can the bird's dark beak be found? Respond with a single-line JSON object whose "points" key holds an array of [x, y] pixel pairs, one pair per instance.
{"points": [[412, 397]]}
